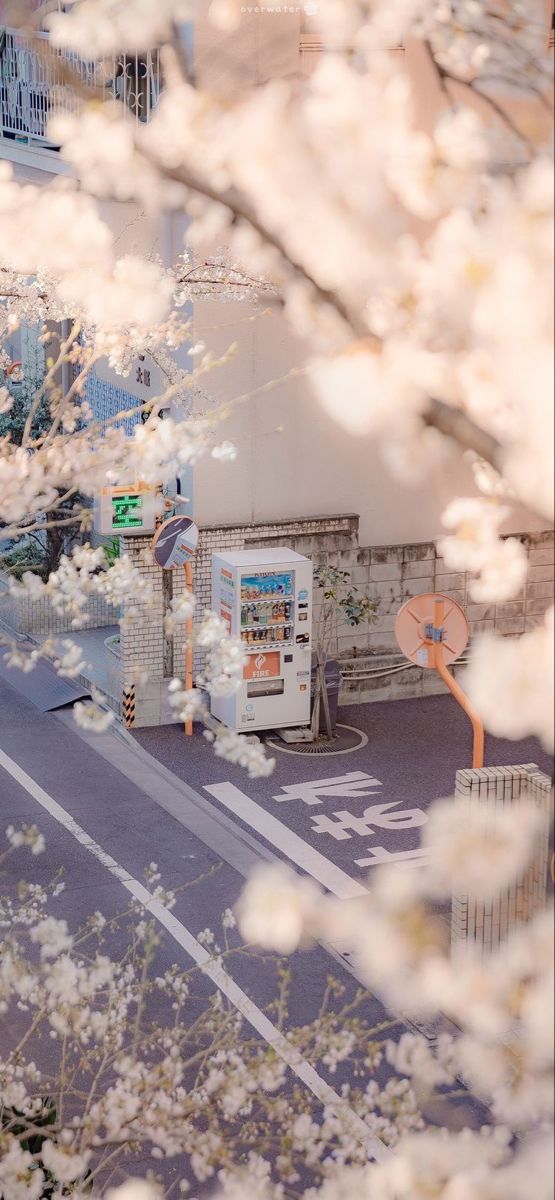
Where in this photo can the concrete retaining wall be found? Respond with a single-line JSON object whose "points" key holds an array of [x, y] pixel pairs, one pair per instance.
{"points": [[372, 667]]}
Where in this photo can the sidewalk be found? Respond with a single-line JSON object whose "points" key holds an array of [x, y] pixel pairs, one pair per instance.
{"points": [[102, 668]]}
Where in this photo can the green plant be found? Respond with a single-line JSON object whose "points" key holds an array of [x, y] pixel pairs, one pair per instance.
{"points": [[343, 603], [27, 422], [29, 557], [112, 551]]}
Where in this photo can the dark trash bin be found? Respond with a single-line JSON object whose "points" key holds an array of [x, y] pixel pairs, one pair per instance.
{"points": [[333, 683]]}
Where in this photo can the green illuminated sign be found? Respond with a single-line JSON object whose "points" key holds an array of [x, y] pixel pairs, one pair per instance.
{"points": [[125, 512]]}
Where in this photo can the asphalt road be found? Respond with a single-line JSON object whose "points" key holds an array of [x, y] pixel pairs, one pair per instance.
{"points": [[110, 804], [336, 816], [90, 798]]}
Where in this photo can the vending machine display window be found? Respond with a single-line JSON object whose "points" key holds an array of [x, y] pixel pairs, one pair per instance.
{"points": [[267, 603], [267, 585]]}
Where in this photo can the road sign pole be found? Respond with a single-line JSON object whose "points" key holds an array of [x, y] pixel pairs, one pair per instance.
{"points": [[173, 546], [457, 692], [188, 570]]}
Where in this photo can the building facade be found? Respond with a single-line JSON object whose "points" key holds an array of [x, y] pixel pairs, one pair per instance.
{"points": [[296, 470], [293, 460]]}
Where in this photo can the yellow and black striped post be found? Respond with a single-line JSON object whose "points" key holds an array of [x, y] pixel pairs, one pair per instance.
{"points": [[128, 705]]}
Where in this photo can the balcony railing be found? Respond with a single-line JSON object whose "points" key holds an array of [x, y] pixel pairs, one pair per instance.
{"points": [[33, 86]]}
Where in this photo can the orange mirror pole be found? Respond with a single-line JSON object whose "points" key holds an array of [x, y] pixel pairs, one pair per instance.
{"points": [[457, 692], [188, 568]]}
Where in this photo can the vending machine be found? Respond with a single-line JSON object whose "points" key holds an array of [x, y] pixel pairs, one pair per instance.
{"points": [[265, 597]]}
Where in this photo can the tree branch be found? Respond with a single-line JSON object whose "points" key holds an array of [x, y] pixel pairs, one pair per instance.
{"points": [[449, 421], [455, 424], [241, 210], [444, 77]]}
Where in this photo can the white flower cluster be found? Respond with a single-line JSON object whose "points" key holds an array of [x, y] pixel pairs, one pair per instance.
{"points": [[92, 715], [85, 573], [70, 663], [187, 703], [95, 28], [79, 257], [6, 401], [501, 565], [181, 609], [121, 583], [278, 905], [510, 682], [161, 448], [28, 835], [242, 751], [193, 1089], [223, 668], [25, 488], [502, 1002]]}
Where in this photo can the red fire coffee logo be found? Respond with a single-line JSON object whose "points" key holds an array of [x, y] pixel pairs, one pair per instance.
{"points": [[262, 666]]}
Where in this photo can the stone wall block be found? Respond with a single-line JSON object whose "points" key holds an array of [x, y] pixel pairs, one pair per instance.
{"points": [[414, 587], [449, 581], [536, 590], [540, 573], [384, 572], [511, 608], [419, 551], [510, 625], [387, 554]]}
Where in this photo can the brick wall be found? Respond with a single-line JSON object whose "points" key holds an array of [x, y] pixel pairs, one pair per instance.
{"points": [[144, 645], [40, 619], [480, 926], [372, 667], [149, 658]]}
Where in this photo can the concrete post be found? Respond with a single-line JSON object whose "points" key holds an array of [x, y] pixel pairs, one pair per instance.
{"points": [[481, 926]]}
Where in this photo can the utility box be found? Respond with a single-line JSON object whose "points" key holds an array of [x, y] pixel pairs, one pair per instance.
{"points": [[265, 597]]}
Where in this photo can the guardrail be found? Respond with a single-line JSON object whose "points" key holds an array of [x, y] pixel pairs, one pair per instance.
{"points": [[33, 85]]}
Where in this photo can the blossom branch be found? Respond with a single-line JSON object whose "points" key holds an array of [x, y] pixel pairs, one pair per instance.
{"points": [[446, 76]]}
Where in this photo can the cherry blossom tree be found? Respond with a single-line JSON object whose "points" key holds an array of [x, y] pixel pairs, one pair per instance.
{"points": [[105, 1059], [415, 260], [500, 1042]]}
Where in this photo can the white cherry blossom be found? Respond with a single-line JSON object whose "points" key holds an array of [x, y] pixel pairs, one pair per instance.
{"points": [[95, 28], [277, 908], [510, 682]]}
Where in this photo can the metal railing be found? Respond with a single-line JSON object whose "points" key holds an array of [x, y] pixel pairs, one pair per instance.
{"points": [[34, 86]]}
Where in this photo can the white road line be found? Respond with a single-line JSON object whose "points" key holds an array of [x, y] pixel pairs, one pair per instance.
{"points": [[283, 838], [254, 1015]]}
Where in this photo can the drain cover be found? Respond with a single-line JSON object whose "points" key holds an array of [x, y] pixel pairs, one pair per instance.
{"points": [[344, 741]]}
